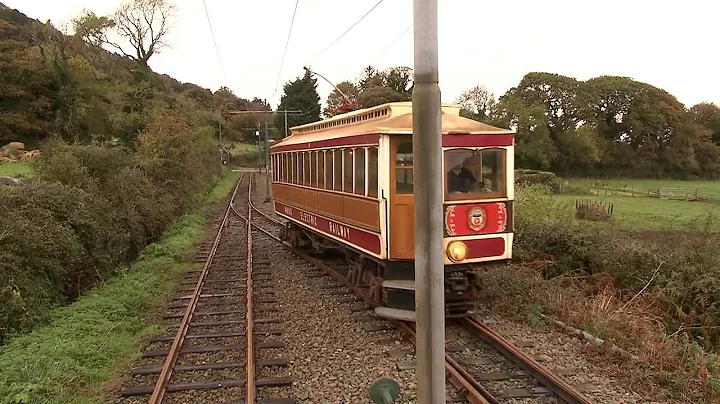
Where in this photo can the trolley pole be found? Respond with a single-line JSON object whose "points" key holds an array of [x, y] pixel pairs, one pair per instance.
{"points": [[427, 158], [267, 162]]}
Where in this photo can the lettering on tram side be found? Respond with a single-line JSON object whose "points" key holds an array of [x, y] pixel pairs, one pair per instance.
{"points": [[339, 230], [308, 218], [288, 210]]}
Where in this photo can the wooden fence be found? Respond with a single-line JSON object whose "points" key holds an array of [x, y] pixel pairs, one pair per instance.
{"points": [[682, 194]]}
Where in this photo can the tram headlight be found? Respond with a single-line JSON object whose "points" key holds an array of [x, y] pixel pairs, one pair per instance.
{"points": [[457, 251]]}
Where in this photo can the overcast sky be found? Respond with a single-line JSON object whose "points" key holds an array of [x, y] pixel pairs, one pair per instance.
{"points": [[671, 45]]}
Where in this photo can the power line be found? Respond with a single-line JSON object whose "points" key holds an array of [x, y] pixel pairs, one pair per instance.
{"points": [[391, 45], [212, 33], [286, 47], [348, 30]]}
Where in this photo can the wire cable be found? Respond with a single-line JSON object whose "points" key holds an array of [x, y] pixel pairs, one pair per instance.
{"points": [[286, 48], [391, 45], [348, 30], [217, 51]]}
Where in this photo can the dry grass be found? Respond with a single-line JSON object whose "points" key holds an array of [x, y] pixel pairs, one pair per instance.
{"points": [[661, 365]]}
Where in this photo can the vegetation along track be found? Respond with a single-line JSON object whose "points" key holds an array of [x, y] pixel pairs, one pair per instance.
{"points": [[480, 363], [227, 346]]}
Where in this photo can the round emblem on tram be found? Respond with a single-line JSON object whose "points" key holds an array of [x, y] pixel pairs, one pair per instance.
{"points": [[476, 218]]}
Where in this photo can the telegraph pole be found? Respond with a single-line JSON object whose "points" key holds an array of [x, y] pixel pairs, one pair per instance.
{"points": [[286, 128], [427, 157], [267, 162]]}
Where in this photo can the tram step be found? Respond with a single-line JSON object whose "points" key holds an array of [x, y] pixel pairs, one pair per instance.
{"points": [[399, 284], [395, 314]]}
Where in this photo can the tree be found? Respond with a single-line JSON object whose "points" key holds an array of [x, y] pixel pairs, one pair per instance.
{"points": [[335, 100], [144, 24], [392, 85], [707, 115], [477, 103], [300, 94]]}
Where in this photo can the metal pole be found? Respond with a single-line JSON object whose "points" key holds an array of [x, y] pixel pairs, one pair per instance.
{"points": [[286, 128], [427, 157], [267, 162]]}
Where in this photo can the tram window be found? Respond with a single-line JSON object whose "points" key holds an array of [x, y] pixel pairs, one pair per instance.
{"points": [[285, 167], [404, 167], [321, 169], [293, 168], [475, 173], [313, 168], [337, 170], [360, 171], [372, 171], [306, 168], [328, 170], [348, 170]]}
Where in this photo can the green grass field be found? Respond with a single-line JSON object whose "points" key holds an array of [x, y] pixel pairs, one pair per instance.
{"points": [[19, 169], [645, 212], [633, 208], [709, 190]]}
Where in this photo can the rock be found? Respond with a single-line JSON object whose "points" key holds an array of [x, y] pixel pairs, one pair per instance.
{"points": [[16, 145]]}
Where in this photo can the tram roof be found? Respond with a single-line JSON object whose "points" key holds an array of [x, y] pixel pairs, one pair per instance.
{"points": [[392, 119]]}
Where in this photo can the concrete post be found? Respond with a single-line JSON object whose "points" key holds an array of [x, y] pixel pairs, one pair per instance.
{"points": [[428, 178]]}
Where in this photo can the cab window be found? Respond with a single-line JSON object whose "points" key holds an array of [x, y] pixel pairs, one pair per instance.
{"points": [[475, 174]]}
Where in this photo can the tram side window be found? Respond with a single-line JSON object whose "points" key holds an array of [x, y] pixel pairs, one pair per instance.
{"points": [[293, 168], [348, 170], [321, 170], [306, 168], [284, 167], [404, 167], [360, 171], [273, 164], [337, 170], [313, 168], [372, 171]]}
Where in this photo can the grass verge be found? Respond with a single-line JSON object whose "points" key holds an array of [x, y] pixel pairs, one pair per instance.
{"points": [[93, 340], [19, 169]]}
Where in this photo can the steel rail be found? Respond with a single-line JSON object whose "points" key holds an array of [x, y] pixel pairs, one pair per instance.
{"points": [[554, 383], [169, 364], [250, 354], [458, 376]]}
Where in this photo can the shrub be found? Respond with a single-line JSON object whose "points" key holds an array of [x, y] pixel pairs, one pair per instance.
{"points": [[679, 268], [535, 177], [91, 208]]}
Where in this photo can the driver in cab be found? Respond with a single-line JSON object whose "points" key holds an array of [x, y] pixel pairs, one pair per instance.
{"points": [[461, 180]]}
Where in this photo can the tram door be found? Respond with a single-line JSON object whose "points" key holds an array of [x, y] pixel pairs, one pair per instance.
{"points": [[402, 205]]}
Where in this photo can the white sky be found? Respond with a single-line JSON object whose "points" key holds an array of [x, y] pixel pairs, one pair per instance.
{"points": [[671, 45]]}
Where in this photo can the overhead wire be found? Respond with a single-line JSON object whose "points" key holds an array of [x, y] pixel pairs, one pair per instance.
{"points": [[392, 44], [348, 30], [217, 50], [292, 22]]}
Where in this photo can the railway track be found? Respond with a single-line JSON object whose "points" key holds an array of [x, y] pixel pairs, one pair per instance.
{"points": [[227, 345], [471, 345]]}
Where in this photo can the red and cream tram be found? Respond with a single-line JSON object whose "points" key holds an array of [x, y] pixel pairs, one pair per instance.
{"points": [[346, 183]]}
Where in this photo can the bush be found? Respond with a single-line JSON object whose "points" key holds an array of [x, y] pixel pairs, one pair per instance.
{"points": [[525, 178], [59, 241], [686, 287], [91, 208]]}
